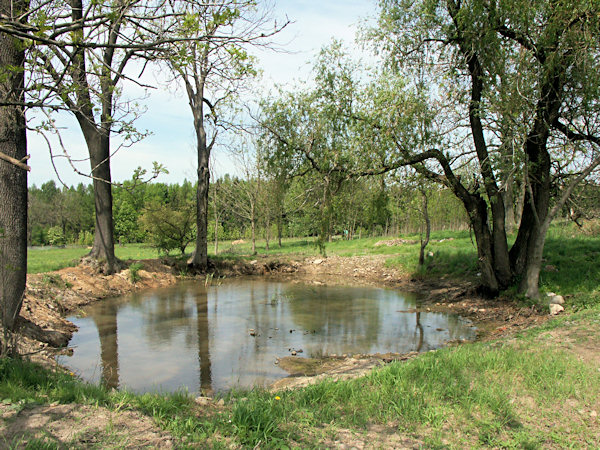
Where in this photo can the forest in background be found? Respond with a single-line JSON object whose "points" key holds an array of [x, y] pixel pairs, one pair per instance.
{"points": [[366, 207]]}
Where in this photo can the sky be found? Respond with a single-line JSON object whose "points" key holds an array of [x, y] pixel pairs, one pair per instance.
{"points": [[168, 117]]}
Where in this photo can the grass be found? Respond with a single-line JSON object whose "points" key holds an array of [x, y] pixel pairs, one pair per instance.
{"points": [[47, 259], [526, 393]]}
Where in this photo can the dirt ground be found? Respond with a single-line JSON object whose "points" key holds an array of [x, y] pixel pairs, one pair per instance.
{"points": [[45, 332]]}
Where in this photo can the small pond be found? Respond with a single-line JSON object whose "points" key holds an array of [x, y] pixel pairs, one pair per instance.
{"points": [[230, 335]]}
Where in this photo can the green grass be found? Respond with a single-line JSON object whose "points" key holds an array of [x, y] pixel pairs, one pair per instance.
{"points": [[526, 393], [575, 257], [47, 259]]}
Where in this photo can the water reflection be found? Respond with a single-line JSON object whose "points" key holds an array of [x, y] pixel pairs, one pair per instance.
{"points": [[216, 338]]}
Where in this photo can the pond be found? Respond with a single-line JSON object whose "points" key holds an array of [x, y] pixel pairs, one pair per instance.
{"points": [[211, 339]]}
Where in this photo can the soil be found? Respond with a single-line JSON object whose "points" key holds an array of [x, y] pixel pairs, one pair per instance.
{"points": [[44, 332]]}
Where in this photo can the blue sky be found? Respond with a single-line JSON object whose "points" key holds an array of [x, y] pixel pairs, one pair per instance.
{"points": [[168, 116]]}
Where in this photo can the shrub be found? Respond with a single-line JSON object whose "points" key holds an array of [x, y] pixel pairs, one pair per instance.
{"points": [[56, 236]]}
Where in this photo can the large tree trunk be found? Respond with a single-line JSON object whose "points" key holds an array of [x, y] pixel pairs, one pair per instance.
{"points": [[104, 244], [13, 179], [424, 242], [200, 256]]}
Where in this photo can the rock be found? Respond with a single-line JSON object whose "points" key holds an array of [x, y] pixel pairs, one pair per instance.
{"points": [[254, 262], [203, 401], [221, 402], [294, 353], [555, 299], [555, 309], [318, 261], [252, 332]]}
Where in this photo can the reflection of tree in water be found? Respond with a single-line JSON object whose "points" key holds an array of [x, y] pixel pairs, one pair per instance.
{"points": [[349, 315], [106, 323], [419, 329], [203, 341], [168, 314]]}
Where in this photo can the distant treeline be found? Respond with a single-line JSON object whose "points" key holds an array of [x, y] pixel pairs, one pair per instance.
{"points": [[61, 215]]}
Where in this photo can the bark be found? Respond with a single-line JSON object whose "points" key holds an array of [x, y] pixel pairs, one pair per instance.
{"points": [[13, 179], [425, 241], [97, 137], [103, 248], [279, 229], [200, 257]]}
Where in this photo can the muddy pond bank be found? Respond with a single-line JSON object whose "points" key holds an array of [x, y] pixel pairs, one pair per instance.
{"points": [[51, 297]]}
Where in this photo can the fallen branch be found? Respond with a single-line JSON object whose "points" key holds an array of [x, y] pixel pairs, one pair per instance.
{"points": [[16, 162]]}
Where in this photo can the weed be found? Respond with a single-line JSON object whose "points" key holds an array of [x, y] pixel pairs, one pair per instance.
{"points": [[134, 269]]}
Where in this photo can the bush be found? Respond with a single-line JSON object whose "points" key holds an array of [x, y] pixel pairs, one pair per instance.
{"points": [[134, 269], [85, 238], [56, 236]]}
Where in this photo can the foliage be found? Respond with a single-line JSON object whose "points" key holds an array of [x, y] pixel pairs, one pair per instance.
{"points": [[56, 236], [171, 224], [134, 270]]}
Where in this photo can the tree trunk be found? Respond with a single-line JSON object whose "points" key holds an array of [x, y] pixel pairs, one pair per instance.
{"points": [[103, 248], [13, 179], [529, 284], [216, 232], [279, 229], [200, 257], [424, 242]]}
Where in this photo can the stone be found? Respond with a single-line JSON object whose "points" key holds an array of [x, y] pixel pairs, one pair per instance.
{"points": [[555, 309], [203, 401], [318, 261], [556, 300]]}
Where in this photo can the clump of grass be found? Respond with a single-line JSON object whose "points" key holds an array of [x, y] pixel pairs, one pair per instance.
{"points": [[134, 272]]}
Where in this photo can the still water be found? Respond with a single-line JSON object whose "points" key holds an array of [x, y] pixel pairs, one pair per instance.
{"points": [[218, 337]]}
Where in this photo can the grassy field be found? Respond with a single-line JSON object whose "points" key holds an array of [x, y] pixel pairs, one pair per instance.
{"points": [[572, 259]]}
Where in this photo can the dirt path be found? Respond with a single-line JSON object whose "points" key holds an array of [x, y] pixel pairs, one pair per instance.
{"points": [[51, 297]]}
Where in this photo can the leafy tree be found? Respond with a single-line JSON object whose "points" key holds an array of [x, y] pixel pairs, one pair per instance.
{"points": [[170, 225], [521, 73]]}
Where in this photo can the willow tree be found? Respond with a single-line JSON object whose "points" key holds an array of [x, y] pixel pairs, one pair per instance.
{"points": [[215, 71], [327, 131], [503, 71]]}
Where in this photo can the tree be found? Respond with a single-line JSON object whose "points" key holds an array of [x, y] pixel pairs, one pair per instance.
{"points": [[13, 170], [214, 71], [170, 222], [476, 53], [84, 74]]}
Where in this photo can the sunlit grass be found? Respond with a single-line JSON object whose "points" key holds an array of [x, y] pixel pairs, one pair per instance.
{"points": [[47, 259]]}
